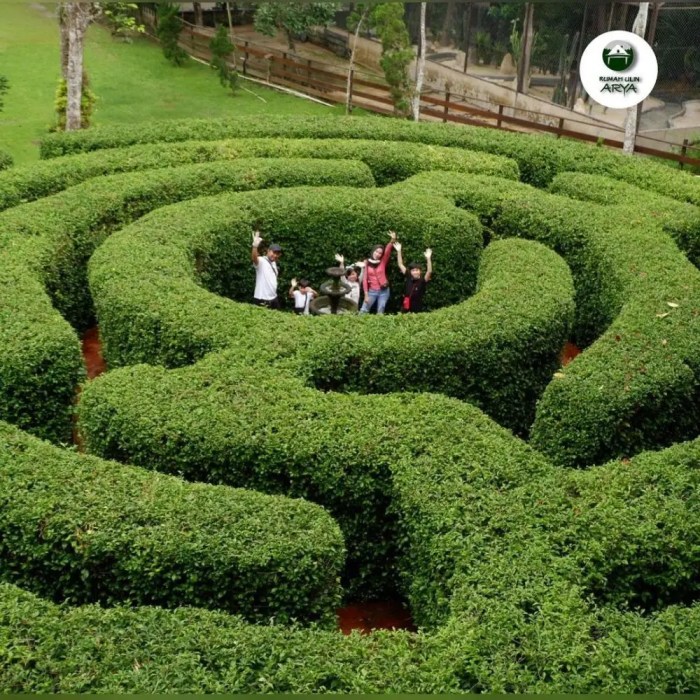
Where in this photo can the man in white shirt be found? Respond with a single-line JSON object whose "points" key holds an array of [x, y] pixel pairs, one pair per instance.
{"points": [[266, 272]]}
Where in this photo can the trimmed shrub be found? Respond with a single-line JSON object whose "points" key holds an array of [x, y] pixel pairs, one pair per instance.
{"points": [[680, 220], [388, 161], [40, 359], [47, 244], [636, 387], [80, 529], [507, 536], [497, 350], [539, 158], [530, 578]]}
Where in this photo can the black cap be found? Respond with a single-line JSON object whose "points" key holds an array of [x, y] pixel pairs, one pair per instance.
{"points": [[275, 248]]}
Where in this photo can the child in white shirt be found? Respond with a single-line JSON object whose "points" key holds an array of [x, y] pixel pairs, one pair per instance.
{"points": [[302, 295]]}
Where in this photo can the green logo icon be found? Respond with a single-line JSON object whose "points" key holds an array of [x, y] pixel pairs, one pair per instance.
{"points": [[618, 56]]}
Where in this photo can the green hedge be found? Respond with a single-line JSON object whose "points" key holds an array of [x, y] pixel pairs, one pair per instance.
{"points": [[81, 529], [636, 387], [479, 349], [509, 545], [539, 158], [46, 246], [389, 161], [40, 360], [680, 220], [498, 350]]}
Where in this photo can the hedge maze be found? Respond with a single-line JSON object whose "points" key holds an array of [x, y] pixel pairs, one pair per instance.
{"points": [[248, 469]]}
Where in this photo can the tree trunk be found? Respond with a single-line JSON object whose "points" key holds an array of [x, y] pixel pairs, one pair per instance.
{"points": [[230, 31], [447, 24], [524, 59], [198, 16], [63, 28], [78, 16], [466, 33], [348, 84], [420, 65], [639, 28]]}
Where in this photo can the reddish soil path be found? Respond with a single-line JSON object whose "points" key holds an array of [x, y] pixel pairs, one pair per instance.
{"points": [[92, 353], [568, 353], [374, 615]]}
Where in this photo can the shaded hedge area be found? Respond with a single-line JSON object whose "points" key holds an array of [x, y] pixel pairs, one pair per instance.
{"points": [[78, 528], [497, 350], [539, 158], [46, 246], [389, 161]]}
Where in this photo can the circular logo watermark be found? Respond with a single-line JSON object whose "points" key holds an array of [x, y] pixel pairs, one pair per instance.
{"points": [[618, 69]]}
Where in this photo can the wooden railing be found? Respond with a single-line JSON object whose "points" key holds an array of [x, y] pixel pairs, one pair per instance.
{"points": [[329, 82]]}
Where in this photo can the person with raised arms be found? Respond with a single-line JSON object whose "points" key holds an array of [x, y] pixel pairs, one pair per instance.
{"points": [[266, 273]]}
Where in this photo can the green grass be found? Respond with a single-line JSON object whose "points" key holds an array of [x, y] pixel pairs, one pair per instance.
{"points": [[133, 82]]}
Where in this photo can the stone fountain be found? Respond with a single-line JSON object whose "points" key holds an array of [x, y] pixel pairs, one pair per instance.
{"points": [[332, 299]]}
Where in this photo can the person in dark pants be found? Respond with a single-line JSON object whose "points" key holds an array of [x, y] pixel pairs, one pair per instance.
{"points": [[416, 284], [266, 272]]}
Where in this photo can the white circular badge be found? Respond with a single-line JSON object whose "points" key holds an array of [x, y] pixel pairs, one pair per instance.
{"points": [[618, 69]]}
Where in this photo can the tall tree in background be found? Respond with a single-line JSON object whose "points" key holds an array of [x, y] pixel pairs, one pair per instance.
{"points": [[357, 18], [420, 65], [293, 18], [168, 32], [74, 19], [397, 53]]}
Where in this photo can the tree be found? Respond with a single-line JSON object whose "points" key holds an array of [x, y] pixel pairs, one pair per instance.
{"points": [[168, 32], [221, 49], [74, 19], [294, 18], [121, 21], [356, 19], [420, 65], [397, 53], [639, 28]]}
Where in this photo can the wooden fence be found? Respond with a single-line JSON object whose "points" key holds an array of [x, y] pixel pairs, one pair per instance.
{"points": [[329, 82]]}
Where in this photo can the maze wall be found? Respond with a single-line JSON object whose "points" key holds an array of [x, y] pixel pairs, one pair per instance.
{"points": [[245, 464]]}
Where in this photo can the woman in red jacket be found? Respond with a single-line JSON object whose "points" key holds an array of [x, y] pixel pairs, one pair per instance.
{"points": [[374, 281]]}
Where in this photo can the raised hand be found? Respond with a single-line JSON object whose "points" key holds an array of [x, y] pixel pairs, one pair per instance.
{"points": [[428, 253], [339, 258], [294, 281], [392, 235], [257, 239], [398, 246]]}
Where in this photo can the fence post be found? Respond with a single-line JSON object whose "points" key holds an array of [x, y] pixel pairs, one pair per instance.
{"points": [[447, 105], [561, 126], [350, 84], [684, 150], [500, 114], [245, 57], [308, 73]]}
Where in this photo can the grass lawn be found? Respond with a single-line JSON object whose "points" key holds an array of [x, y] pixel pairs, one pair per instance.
{"points": [[133, 82]]}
